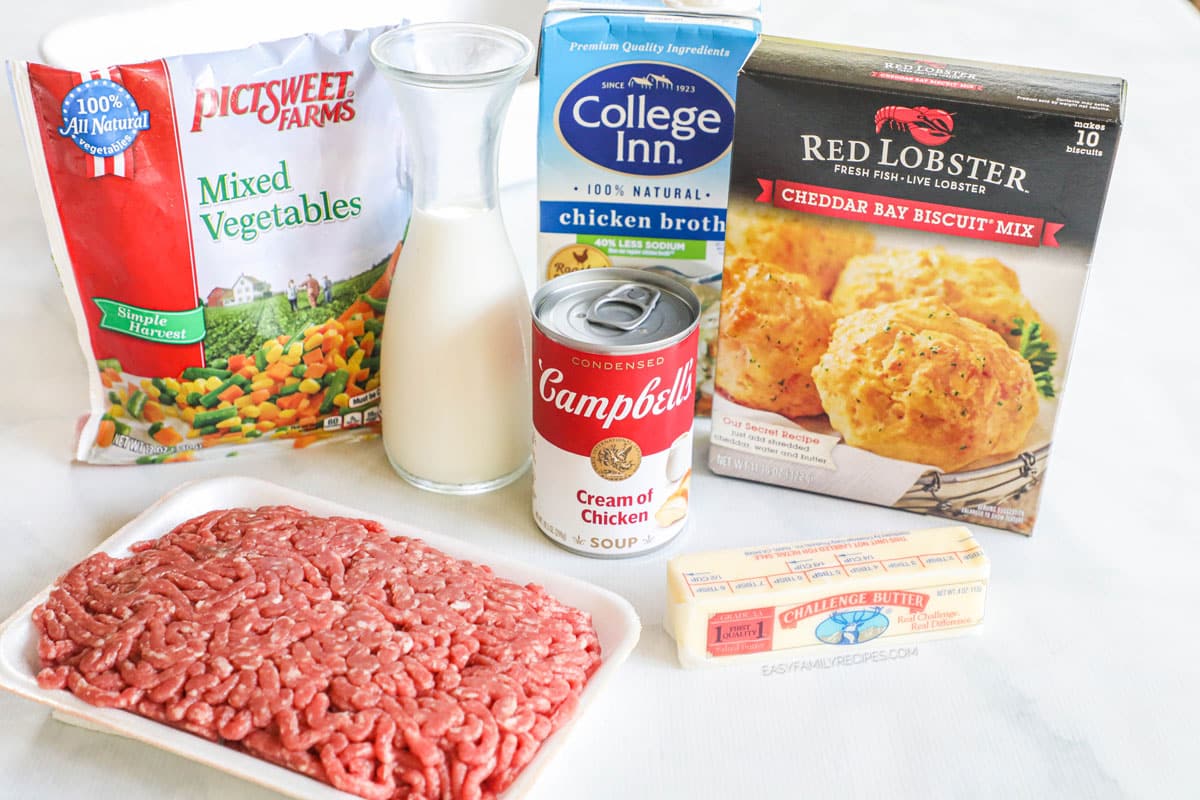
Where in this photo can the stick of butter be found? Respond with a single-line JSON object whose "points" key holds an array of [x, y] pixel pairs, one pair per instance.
{"points": [[731, 605]]}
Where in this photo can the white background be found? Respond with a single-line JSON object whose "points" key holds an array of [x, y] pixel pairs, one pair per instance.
{"points": [[1084, 681]]}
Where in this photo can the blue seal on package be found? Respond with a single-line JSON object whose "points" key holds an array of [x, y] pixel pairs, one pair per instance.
{"points": [[853, 627], [102, 118]]}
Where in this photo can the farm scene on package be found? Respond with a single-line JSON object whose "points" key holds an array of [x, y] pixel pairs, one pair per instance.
{"points": [[239, 327]]}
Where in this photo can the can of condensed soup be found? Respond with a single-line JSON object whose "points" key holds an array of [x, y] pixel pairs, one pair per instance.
{"points": [[614, 378]]}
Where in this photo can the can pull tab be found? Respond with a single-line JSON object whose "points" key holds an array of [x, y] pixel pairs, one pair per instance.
{"points": [[613, 309]]}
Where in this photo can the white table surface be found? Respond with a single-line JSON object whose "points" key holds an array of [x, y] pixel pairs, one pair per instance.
{"points": [[1084, 681]]}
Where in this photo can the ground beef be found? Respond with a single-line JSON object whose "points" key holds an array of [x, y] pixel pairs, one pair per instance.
{"points": [[375, 663]]}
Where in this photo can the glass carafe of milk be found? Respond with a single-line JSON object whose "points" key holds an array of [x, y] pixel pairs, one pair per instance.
{"points": [[455, 364]]}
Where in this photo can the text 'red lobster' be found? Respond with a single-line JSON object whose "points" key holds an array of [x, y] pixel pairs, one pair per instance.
{"points": [[928, 126]]}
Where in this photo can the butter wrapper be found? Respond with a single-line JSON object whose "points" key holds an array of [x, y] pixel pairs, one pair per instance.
{"points": [[735, 605]]}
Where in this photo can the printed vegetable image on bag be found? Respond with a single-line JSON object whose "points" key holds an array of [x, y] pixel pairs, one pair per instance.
{"points": [[225, 226]]}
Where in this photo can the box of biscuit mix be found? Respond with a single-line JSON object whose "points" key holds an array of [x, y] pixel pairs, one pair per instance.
{"points": [[907, 246], [634, 132]]}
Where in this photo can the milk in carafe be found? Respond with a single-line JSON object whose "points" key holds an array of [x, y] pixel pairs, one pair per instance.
{"points": [[464, 330], [455, 369]]}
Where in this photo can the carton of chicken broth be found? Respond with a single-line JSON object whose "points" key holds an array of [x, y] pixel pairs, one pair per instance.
{"points": [[634, 131], [907, 245]]}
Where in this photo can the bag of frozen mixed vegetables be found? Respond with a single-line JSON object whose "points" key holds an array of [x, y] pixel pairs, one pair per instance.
{"points": [[225, 226]]}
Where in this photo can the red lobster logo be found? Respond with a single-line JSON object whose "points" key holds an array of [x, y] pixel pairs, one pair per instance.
{"points": [[928, 126]]}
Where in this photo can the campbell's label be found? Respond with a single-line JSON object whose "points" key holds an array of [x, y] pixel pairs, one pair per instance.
{"points": [[646, 118], [612, 449], [581, 397]]}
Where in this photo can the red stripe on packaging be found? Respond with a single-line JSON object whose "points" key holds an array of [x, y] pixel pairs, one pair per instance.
{"points": [[913, 214], [580, 398], [926, 80], [733, 633], [126, 238]]}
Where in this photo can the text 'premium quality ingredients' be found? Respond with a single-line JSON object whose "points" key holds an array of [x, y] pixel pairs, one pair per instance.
{"points": [[373, 662], [614, 363], [225, 226]]}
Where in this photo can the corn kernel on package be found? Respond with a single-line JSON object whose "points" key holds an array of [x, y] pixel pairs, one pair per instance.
{"points": [[224, 226]]}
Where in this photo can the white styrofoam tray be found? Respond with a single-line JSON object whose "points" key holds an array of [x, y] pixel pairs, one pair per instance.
{"points": [[615, 620]]}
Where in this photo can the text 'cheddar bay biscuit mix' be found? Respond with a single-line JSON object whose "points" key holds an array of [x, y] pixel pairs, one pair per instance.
{"points": [[908, 241]]}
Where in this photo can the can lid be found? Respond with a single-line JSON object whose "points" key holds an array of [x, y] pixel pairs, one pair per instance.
{"points": [[616, 310]]}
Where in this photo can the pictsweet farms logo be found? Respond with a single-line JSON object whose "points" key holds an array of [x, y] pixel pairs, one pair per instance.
{"points": [[931, 127], [310, 99]]}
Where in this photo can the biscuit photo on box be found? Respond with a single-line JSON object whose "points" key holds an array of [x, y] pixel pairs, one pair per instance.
{"points": [[774, 328], [815, 248], [914, 380], [982, 289]]}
